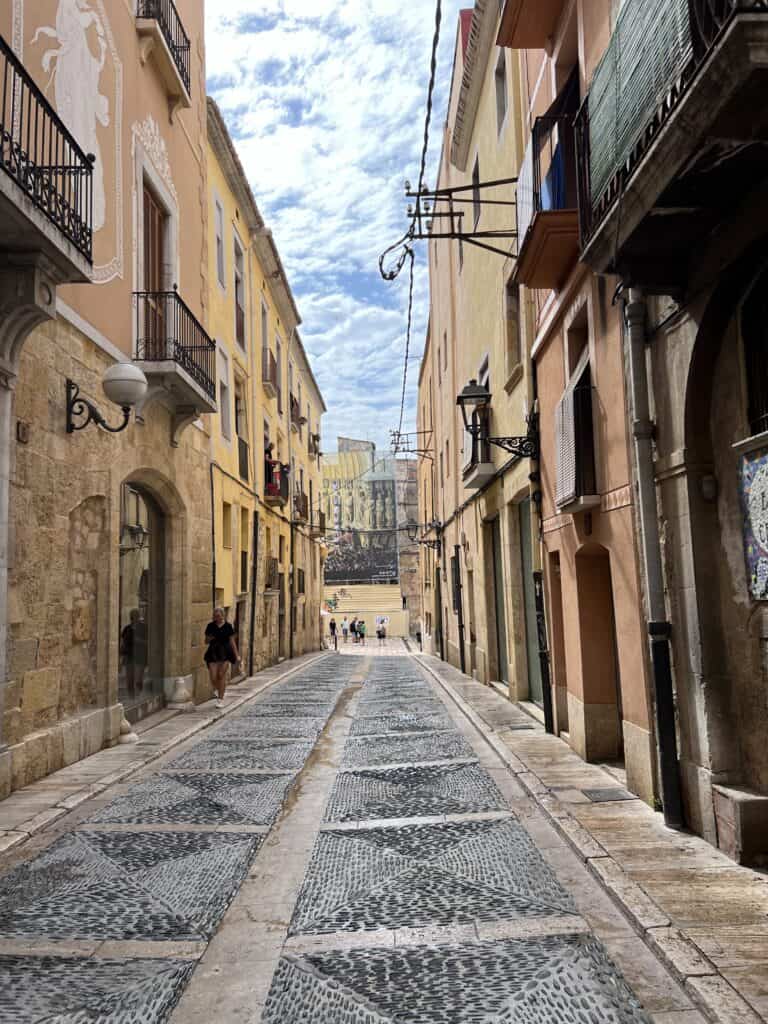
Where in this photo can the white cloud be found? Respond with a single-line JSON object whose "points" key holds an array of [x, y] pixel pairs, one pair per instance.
{"points": [[326, 102]]}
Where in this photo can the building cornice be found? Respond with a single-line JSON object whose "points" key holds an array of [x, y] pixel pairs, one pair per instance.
{"points": [[482, 35]]}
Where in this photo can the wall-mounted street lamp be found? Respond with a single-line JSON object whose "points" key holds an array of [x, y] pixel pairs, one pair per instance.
{"points": [[476, 398], [124, 384]]}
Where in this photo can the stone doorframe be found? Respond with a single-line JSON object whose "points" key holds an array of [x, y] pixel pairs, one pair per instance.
{"points": [[27, 299]]}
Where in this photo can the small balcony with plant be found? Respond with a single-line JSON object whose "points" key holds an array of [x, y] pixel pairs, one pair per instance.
{"points": [[276, 487]]}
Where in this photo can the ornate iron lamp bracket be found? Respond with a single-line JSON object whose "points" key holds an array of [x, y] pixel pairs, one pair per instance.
{"points": [[78, 407]]}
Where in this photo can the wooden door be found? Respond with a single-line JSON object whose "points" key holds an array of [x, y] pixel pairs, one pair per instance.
{"points": [[154, 303]]}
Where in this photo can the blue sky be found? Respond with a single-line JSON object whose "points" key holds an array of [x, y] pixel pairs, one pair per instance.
{"points": [[325, 100]]}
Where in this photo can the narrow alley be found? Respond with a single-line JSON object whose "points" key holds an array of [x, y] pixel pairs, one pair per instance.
{"points": [[348, 845]]}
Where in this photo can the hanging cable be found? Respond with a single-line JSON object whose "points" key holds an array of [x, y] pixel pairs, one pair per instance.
{"points": [[403, 246]]}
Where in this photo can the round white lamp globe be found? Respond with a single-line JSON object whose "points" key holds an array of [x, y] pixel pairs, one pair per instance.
{"points": [[124, 384]]}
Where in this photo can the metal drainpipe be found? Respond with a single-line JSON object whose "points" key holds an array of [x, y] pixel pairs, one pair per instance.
{"points": [[254, 581], [659, 628], [213, 540], [460, 607], [291, 611]]}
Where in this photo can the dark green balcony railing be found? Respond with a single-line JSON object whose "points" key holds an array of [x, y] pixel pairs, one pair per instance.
{"points": [[655, 51]]}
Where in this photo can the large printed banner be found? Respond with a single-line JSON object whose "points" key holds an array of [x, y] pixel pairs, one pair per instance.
{"points": [[754, 496], [362, 536]]}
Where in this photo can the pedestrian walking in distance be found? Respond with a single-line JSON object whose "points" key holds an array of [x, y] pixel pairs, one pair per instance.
{"points": [[381, 633], [361, 631], [345, 629], [222, 652], [353, 630], [332, 630], [133, 650]]}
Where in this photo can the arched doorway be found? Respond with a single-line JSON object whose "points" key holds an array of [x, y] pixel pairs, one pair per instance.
{"points": [[142, 602]]}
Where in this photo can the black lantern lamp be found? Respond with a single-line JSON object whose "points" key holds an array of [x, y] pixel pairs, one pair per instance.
{"points": [[475, 396]]}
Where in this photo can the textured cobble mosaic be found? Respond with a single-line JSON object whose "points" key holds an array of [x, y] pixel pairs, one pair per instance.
{"points": [[67, 990], [431, 746], [254, 726], [566, 979], [243, 755], [404, 722], [135, 885], [412, 791], [209, 799], [287, 708], [418, 875], [397, 705]]}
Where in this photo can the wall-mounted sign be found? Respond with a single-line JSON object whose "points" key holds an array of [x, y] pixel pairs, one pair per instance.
{"points": [[754, 498]]}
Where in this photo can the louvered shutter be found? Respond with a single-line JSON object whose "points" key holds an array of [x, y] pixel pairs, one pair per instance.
{"points": [[565, 449]]}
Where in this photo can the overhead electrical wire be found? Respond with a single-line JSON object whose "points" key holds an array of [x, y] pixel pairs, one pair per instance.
{"points": [[404, 244]]}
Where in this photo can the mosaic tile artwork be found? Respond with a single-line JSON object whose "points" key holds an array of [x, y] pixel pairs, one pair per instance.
{"points": [[250, 725], [564, 978], [404, 722], [432, 746], [413, 791], [419, 875], [67, 990], [126, 885], [243, 755], [210, 799]]}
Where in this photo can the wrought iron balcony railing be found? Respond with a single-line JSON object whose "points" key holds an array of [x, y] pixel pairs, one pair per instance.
{"points": [[657, 49], [301, 506], [166, 329], [42, 156], [276, 489], [296, 417], [548, 176], [167, 17]]}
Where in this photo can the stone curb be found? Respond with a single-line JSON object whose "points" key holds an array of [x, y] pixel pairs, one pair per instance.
{"points": [[21, 833], [708, 989]]}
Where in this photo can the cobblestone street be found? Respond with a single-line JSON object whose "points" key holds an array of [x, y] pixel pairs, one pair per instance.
{"points": [[345, 847]]}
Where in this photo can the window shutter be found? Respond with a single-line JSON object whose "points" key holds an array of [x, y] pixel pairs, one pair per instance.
{"points": [[565, 449]]}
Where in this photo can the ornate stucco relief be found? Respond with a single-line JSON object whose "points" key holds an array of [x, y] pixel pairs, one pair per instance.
{"points": [[84, 81]]}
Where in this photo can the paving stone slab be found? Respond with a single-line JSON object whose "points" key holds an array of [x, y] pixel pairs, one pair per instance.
{"points": [[413, 791], [252, 726], [435, 746], [287, 708], [389, 705], [68, 990], [172, 886], [568, 979], [210, 799], [246, 755], [446, 874], [402, 722]]}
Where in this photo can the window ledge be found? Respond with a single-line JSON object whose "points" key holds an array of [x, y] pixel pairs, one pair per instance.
{"points": [[751, 444], [514, 378], [583, 503]]}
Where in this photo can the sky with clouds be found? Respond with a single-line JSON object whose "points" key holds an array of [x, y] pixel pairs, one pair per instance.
{"points": [[325, 100]]}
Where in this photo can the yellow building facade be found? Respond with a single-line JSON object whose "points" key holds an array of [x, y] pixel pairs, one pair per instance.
{"points": [[265, 443]]}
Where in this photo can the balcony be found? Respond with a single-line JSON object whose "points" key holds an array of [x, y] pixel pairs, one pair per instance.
{"points": [[297, 420], [671, 135], [547, 207], [272, 573], [276, 491], [269, 379], [243, 459], [46, 180], [318, 526], [176, 355], [313, 445], [163, 37], [301, 507], [478, 466], [529, 24], [576, 479]]}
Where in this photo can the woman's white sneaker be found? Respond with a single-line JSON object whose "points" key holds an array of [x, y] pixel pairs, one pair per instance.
{"points": [[219, 703]]}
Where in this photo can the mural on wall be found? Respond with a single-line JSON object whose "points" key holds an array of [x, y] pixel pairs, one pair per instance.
{"points": [[363, 516], [72, 44], [754, 497]]}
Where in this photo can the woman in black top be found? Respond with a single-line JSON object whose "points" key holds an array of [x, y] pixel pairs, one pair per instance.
{"points": [[222, 652]]}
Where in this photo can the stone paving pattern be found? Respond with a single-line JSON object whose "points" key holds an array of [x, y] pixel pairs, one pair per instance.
{"points": [[463, 915]]}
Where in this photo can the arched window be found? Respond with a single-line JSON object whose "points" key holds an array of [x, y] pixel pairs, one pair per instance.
{"points": [[754, 334]]}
